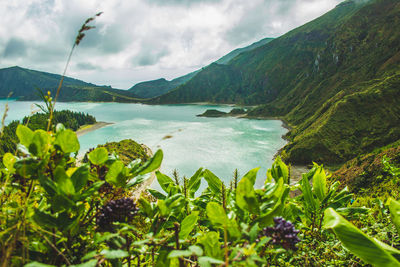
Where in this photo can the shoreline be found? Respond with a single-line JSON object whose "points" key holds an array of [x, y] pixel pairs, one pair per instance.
{"points": [[92, 127]]}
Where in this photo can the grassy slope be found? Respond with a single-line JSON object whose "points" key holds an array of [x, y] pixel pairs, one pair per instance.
{"points": [[24, 82], [366, 173], [127, 150]]}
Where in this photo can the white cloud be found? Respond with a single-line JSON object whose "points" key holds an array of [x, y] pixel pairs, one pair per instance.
{"points": [[141, 39]]}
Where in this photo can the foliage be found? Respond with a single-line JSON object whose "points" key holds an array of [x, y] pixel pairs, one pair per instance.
{"points": [[127, 150], [57, 212], [50, 203], [72, 120]]}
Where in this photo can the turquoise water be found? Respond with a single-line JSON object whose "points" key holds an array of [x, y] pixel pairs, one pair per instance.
{"points": [[219, 144]]}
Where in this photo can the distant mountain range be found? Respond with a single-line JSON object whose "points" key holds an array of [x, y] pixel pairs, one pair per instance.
{"points": [[150, 89], [335, 80], [23, 84]]}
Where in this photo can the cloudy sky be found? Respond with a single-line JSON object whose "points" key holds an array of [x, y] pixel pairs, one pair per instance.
{"points": [[139, 40]]}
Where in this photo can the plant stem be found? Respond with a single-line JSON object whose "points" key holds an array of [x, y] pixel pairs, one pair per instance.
{"points": [[226, 247]]}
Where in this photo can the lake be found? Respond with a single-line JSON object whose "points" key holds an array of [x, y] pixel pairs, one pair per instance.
{"points": [[188, 142]]}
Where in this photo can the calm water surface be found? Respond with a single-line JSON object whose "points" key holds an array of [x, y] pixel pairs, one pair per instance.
{"points": [[188, 142]]}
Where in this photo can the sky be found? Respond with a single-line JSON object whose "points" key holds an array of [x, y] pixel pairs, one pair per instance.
{"points": [[140, 40]]}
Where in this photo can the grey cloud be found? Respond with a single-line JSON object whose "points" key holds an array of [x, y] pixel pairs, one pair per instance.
{"points": [[149, 56], [113, 40], [39, 9], [86, 66], [182, 2], [15, 48]]}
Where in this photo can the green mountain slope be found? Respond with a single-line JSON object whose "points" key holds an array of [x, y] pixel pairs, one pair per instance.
{"points": [[24, 82], [334, 80], [159, 87], [150, 89], [228, 57]]}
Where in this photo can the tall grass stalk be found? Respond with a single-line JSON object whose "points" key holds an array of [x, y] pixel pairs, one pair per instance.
{"points": [[81, 33]]}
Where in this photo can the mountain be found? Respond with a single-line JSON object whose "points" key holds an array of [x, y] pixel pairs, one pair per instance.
{"points": [[150, 89], [334, 80], [154, 88], [228, 57], [24, 82]]}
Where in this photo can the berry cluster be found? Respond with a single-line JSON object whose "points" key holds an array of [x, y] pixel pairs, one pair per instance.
{"points": [[283, 233], [120, 210]]}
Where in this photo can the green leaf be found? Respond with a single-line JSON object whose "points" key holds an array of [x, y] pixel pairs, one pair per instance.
{"points": [[145, 206], [38, 264], [164, 210], [179, 254], [319, 184], [98, 156], [216, 214], [91, 263], [114, 254], [25, 135], [115, 174], [278, 197], [63, 182], [80, 177], [252, 175], [214, 183], [233, 229], [194, 182], [278, 170], [68, 141], [309, 200], [164, 181], [211, 244], [91, 190], [44, 219], [208, 261], [196, 250], [156, 193], [188, 225], [137, 180], [357, 242], [394, 208], [49, 186], [152, 164], [246, 197], [8, 161], [40, 143]]}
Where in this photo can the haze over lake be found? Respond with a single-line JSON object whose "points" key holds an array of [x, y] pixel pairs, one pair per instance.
{"points": [[188, 142]]}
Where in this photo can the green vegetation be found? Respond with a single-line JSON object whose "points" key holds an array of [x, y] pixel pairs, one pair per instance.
{"points": [[212, 113], [22, 83], [334, 80], [57, 212], [150, 89], [127, 150], [218, 113], [70, 119]]}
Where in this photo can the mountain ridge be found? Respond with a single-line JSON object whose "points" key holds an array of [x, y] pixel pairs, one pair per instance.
{"points": [[155, 88], [23, 83]]}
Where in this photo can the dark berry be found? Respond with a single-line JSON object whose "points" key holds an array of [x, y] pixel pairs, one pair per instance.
{"points": [[120, 210], [283, 234]]}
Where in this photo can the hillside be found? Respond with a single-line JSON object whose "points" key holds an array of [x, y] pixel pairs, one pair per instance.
{"points": [[327, 79], [24, 82], [150, 89], [228, 57]]}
